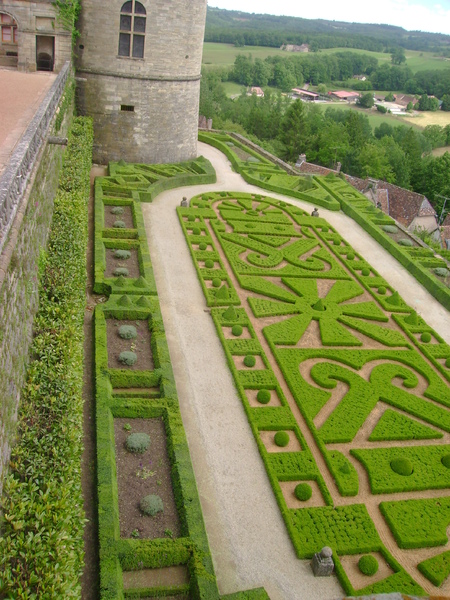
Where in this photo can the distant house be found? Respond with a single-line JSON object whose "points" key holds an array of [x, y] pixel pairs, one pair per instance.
{"points": [[359, 77], [304, 95], [405, 99], [344, 95], [294, 48], [257, 91]]}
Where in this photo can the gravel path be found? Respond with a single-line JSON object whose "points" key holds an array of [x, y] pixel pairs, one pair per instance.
{"points": [[249, 541]]}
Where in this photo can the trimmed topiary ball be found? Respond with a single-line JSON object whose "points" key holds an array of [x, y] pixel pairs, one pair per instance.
{"points": [[281, 439], [237, 330], [209, 264], [447, 363], [249, 360], [118, 210], [216, 282], [122, 254], [127, 358], [368, 564], [202, 246], [325, 229], [121, 271], [365, 272], [191, 218], [445, 460], [406, 242], [441, 272], [303, 491], [382, 290], [137, 442], [263, 396], [151, 505], [426, 337], [120, 224], [127, 332], [337, 241], [402, 466], [350, 255]]}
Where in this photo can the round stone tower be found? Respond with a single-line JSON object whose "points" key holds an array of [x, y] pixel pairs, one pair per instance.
{"points": [[138, 76]]}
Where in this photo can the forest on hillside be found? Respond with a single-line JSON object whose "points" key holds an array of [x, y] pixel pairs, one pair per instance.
{"points": [[244, 29]]}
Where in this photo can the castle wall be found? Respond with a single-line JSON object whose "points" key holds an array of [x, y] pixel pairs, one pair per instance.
{"points": [[144, 109]]}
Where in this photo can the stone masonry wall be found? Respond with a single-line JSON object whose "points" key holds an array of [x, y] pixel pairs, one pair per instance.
{"points": [[18, 293], [144, 109]]}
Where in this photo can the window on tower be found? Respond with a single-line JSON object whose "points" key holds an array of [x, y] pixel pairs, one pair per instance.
{"points": [[132, 29]]}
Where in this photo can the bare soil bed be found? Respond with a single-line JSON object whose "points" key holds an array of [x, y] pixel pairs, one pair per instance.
{"points": [[140, 345], [112, 263], [141, 474], [126, 217]]}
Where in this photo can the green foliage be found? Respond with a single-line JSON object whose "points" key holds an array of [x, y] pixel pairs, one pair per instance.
{"points": [[117, 210], [151, 505], [441, 272], [137, 442], [42, 504], [390, 228], [406, 242], [121, 272], [436, 568], [402, 466], [128, 358], [303, 492], [119, 224], [418, 523], [122, 254], [368, 565], [127, 332], [394, 425], [237, 330], [263, 396], [249, 360], [281, 438]]}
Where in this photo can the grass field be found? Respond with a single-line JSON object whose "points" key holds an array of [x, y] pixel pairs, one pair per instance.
{"points": [[439, 117], [223, 55], [440, 151]]}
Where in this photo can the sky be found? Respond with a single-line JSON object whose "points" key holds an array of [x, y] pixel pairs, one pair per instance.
{"points": [[413, 15]]}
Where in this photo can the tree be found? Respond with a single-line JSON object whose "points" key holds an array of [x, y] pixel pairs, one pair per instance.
{"points": [[389, 97], [398, 56], [294, 131], [374, 162], [427, 103], [445, 102], [366, 100]]}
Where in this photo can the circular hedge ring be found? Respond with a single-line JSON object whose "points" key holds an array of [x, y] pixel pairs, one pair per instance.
{"points": [[249, 360], [368, 564], [402, 466], [237, 330], [445, 460], [263, 396], [303, 492], [281, 439]]}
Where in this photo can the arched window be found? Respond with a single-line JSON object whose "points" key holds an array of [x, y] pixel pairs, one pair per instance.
{"points": [[9, 29], [132, 29]]}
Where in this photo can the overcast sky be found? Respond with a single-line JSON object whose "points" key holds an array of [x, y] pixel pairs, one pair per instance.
{"points": [[419, 15]]}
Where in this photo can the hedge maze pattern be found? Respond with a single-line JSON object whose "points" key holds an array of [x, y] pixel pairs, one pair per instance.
{"points": [[323, 349]]}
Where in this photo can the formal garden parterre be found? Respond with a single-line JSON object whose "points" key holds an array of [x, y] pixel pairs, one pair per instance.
{"points": [[362, 385]]}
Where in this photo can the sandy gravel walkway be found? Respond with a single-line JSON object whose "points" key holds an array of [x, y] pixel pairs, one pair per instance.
{"points": [[249, 541]]}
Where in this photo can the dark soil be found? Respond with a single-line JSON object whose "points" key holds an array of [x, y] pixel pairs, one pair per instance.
{"points": [[126, 217], [140, 345], [112, 263], [141, 474]]}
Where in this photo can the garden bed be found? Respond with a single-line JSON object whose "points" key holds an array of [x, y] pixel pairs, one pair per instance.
{"points": [[139, 345]]}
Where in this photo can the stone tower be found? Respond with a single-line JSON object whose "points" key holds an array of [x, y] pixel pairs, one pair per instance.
{"points": [[138, 71]]}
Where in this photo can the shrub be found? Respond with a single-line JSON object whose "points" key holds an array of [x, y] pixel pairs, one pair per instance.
{"points": [[151, 505], [402, 466], [137, 442], [117, 210], [249, 360], [441, 272], [368, 564], [447, 363], [191, 218], [202, 246], [303, 492], [127, 332], [445, 460], [119, 224], [121, 271], [122, 254], [127, 358], [196, 231], [426, 337], [209, 264], [390, 228], [281, 439], [237, 330], [365, 272], [263, 396], [252, 159], [405, 242], [216, 282], [325, 229], [382, 290], [350, 255]]}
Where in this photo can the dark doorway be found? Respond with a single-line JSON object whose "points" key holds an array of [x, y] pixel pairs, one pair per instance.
{"points": [[45, 52]]}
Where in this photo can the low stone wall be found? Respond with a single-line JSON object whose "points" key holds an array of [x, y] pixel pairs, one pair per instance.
{"points": [[18, 282]]}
